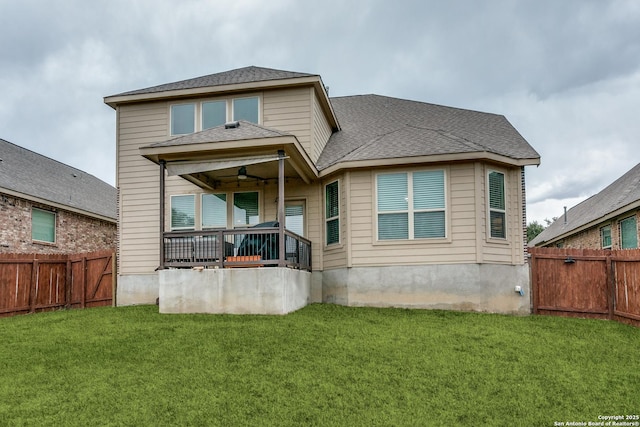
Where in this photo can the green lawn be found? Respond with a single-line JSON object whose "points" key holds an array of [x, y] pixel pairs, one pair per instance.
{"points": [[323, 365]]}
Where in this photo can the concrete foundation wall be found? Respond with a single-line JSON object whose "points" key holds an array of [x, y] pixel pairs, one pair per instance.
{"points": [[137, 289], [235, 291], [467, 287]]}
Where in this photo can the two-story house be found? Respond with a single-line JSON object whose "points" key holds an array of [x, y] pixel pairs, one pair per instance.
{"points": [[359, 200]]}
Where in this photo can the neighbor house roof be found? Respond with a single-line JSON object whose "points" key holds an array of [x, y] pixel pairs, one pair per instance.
{"points": [[249, 74], [378, 127], [33, 176], [620, 196]]}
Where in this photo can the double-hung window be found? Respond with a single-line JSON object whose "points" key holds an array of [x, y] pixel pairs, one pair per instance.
{"points": [[43, 226], [183, 208], [605, 237], [497, 205], [411, 205], [332, 213], [628, 233]]}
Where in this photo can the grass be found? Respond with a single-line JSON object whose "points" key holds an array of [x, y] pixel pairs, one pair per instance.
{"points": [[322, 365]]}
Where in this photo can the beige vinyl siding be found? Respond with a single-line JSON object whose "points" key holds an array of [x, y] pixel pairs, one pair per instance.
{"points": [[459, 247], [290, 111], [509, 250], [138, 181], [321, 129]]}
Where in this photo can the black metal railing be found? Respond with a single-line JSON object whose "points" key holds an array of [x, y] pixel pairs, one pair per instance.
{"points": [[248, 247]]}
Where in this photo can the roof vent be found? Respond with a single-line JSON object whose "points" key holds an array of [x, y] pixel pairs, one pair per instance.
{"points": [[232, 125]]}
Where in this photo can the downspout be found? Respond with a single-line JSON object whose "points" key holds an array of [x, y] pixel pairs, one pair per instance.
{"points": [[281, 213], [162, 207]]}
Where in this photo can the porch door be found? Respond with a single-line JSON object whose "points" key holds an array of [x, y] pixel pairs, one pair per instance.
{"points": [[294, 216]]}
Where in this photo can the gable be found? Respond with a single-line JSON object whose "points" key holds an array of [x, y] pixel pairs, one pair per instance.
{"points": [[31, 175]]}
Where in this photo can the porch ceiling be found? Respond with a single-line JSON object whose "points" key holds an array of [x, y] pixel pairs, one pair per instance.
{"points": [[210, 163]]}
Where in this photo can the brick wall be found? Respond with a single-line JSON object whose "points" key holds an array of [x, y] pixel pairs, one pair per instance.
{"points": [[75, 233], [590, 239]]}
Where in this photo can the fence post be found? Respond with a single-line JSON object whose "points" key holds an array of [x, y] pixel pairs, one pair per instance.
{"points": [[83, 282], [534, 281], [68, 283], [33, 290], [611, 286]]}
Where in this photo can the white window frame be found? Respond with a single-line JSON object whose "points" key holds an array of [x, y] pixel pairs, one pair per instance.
{"points": [[333, 218], [209, 227], [195, 115], [55, 226], [171, 213], [411, 210], [490, 209], [602, 236], [198, 120]]}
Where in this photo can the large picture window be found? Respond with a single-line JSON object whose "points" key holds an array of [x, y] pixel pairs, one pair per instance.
{"points": [[43, 226], [411, 205], [183, 208], [497, 205], [628, 233], [332, 213], [214, 211]]}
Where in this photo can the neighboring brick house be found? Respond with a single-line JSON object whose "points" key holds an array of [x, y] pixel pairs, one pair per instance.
{"points": [[49, 207], [607, 220]]}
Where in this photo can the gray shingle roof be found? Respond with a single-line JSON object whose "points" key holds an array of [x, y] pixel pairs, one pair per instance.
{"points": [[622, 192], [33, 174], [380, 127], [245, 131], [249, 74]]}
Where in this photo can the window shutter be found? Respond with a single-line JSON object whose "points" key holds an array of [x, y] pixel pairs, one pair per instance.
{"points": [[43, 226], [393, 193], [214, 210]]}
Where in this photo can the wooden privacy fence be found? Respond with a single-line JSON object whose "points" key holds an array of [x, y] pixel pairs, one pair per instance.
{"points": [[35, 282], [592, 283]]}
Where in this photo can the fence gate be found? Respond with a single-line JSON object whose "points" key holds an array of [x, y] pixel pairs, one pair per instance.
{"points": [[34, 282], [601, 284]]}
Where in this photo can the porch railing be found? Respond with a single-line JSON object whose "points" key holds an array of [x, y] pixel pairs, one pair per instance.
{"points": [[248, 247]]}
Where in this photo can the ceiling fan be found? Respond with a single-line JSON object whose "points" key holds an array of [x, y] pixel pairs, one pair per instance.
{"points": [[242, 174]]}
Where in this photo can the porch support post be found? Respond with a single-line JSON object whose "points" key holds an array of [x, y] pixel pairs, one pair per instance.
{"points": [[281, 213], [162, 208]]}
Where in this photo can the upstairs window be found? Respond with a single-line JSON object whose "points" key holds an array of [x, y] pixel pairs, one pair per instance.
{"points": [[497, 205], [628, 233], [182, 119], [214, 114], [332, 213], [411, 205], [605, 237], [246, 109], [183, 208], [43, 226]]}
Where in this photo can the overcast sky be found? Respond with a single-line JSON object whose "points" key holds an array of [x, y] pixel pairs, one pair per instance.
{"points": [[565, 73]]}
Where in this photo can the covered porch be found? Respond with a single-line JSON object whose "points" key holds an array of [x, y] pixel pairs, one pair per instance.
{"points": [[259, 266]]}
